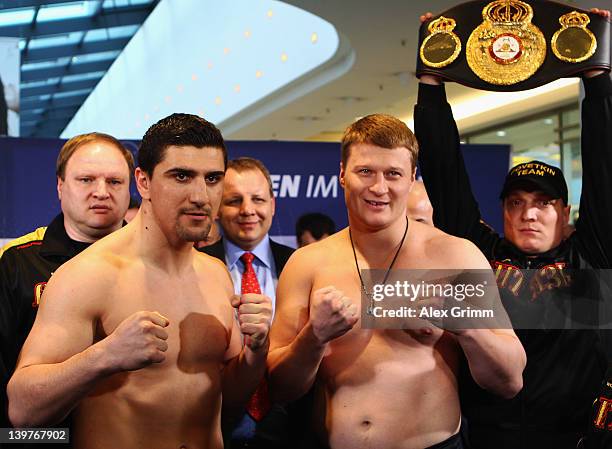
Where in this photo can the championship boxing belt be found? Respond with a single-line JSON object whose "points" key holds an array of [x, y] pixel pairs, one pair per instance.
{"points": [[510, 45]]}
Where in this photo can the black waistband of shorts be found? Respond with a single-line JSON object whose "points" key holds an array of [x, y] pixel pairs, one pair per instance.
{"points": [[453, 442]]}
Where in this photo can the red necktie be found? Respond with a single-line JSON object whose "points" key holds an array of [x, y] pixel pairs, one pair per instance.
{"points": [[259, 404]]}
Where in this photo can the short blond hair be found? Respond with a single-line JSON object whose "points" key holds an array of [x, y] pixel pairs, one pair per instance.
{"points": [[243, 164], [78, 141], [382, 130]]}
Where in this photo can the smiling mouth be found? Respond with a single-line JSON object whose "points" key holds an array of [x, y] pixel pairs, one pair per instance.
{"points": [[376, 203]]}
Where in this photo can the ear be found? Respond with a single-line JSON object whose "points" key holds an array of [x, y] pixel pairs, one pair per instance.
{"points": [[60, 185], [143, 183], [566, 214], [273, 206], [341, 176]]}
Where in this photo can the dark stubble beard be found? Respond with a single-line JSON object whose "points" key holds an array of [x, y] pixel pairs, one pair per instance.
{"points": [[192, 236], [188, 235]]}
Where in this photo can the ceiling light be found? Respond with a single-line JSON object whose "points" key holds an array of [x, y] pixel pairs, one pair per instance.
{"points": [[501, 133], [314, 37]]}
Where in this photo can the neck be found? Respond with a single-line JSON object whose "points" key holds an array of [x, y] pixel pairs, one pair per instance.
{"points": [[374, 243], [78, 235]]}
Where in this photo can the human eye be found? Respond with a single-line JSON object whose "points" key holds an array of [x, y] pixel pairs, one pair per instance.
{"points": [[115, 182], [394, 174], [213, 178], [545, 203], [364, 171], [85, 179], [232, 201], [258, 200], [181, 176]]}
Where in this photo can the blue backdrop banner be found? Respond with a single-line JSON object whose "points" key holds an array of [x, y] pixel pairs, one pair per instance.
{"points": [[304, 176]]}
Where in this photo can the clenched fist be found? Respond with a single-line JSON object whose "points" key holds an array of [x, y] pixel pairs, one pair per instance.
{"points": [[331, 314], [138, 341], [254, 317]]}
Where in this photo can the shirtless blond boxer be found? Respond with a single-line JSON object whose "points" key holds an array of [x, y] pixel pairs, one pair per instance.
{"points": [[137, 334], [383, 388]]}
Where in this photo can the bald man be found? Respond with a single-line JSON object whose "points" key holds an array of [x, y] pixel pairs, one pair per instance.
{"points": [[419, 207]]}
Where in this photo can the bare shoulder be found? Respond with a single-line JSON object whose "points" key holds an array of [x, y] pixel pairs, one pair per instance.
{"points": [[309, 258], [83, 284], [455, 252], [211, 267]]}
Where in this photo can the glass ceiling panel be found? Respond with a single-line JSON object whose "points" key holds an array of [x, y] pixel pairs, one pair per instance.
{"points": [[93, 57], [72, 93], [123, 31], [109, 4], [16, 16], [53, 41], [105, 34], [45, 64], [63, 11], [82, 77]]}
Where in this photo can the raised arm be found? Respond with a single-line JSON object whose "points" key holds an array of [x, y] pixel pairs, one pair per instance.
{"points": [[305, 323], [59, 364], [443, 169], [595, 220]]}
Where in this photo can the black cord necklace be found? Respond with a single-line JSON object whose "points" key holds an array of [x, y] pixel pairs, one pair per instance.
{"points": [[363, 287]]}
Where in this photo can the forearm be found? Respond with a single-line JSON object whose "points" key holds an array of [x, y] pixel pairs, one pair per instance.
{"points": [[595, 221], [496, 360], [42, 395], [442, 165], [241, 377], [293, 368]]}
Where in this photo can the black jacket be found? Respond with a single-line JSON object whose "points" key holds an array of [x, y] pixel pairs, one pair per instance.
{"points": [[564, 367], [26, 264]]}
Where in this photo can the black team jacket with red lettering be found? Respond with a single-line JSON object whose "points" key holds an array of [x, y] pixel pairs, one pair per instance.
{"points": [[565, 368], [26, 264]]}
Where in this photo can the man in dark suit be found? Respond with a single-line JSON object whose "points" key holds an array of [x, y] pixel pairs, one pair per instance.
{"points": [[254, 262]]}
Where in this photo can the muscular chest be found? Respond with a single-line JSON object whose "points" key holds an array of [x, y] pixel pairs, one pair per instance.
{"points": [[197, 311]]}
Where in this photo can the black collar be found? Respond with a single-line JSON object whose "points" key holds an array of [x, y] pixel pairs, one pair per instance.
{"points": [[57, 243]]}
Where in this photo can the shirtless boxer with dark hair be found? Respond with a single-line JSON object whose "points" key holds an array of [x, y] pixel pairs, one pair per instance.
{"points": [[137, 335]]}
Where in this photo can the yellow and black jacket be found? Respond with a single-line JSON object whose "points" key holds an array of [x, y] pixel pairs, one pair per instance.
{"points": [[26, 264]]}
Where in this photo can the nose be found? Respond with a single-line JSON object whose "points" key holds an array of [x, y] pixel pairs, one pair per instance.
{"points": [[247, 207], [379, 187], [101, 191], [199, 193], [529, 213]]}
